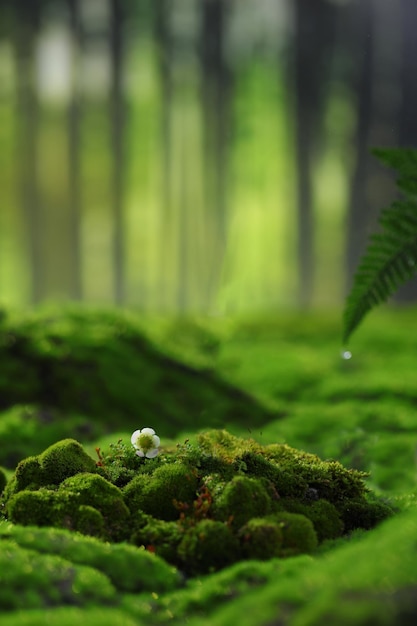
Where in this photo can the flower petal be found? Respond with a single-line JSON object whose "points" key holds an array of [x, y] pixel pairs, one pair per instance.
{"points": [[156, 441], [152, 453], [134, 438], [139, 453], [147, 431]]}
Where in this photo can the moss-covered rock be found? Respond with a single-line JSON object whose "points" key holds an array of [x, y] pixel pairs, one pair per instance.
{"points": [[162, 495], [298, 534], [43, 507], [176, 503], [326, 518], [58, 462], [161, 538], [94, 491], [241, 499], [261, 539], [208, 546], [89, 362]]}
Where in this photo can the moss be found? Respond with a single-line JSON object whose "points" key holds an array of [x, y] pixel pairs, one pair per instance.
{"points": [[326, 518], [208, 546], [298, 534], [3, 480], [162, 493], [130, 569], [58, 462], [32, 580], [363, 514], [170, 497], [42, 508], [89, 521], [261, 539], [94, 491], [28, 474], [160, 537], [64, 459], [240, 500], [89, 362]]}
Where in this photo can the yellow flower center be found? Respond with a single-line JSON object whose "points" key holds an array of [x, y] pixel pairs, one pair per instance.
{"points": [[145, 442]]}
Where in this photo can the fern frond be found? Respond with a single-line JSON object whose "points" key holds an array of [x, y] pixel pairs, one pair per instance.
{"points": [[404, 161], [390, 261]]}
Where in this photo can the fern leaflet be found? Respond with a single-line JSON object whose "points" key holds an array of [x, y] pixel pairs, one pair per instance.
{"points": [[391, 257]]}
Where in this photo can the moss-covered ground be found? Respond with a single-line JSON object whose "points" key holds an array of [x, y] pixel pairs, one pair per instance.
{"points": [[96, 376]]}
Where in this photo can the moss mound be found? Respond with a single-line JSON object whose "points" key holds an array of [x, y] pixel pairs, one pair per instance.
{"points": [[201, 505], [88, 363]]}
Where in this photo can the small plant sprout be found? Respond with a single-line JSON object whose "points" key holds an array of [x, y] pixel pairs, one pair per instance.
{"points": [[146, 442]]}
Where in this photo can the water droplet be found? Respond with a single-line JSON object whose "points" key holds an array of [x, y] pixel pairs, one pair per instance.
{"points": [[346, 354]]}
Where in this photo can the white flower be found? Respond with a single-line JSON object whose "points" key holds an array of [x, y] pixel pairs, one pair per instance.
{"points": [[146, 442]]}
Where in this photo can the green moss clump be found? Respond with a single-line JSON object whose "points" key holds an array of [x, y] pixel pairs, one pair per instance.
{"points": [[162, 495], [263, 501], [64, 459], [43, 508], [326, 519], [208, 546], [240, 500], [160, 537], [128, 568], [94, 491], [28, 474], [261, 539], [32, 580], [363, 514], [89, 521], [298, 534], [58, 462]]}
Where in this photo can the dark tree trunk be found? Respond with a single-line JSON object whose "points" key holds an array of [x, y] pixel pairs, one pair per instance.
{"points": [[374, 81], [74, 158], [26, 19], [117, 116], [314, 32], [361, 49], [408, 105]]}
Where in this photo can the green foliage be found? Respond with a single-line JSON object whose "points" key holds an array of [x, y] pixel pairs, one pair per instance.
{"points": [[391, 257]]}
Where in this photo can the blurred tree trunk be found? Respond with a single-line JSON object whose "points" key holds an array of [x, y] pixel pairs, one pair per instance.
{"points": [[216, 87], [25, 26], [117, 121], [74, 143], [313, 45], [374, 81], [360, 47], [408, 104], [162, 11]]}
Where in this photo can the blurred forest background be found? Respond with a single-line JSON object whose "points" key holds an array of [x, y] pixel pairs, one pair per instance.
{"points": [[201, 156]]}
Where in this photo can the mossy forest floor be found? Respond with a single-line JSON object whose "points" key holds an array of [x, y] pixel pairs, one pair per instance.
{"points": [[96, 376]]}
